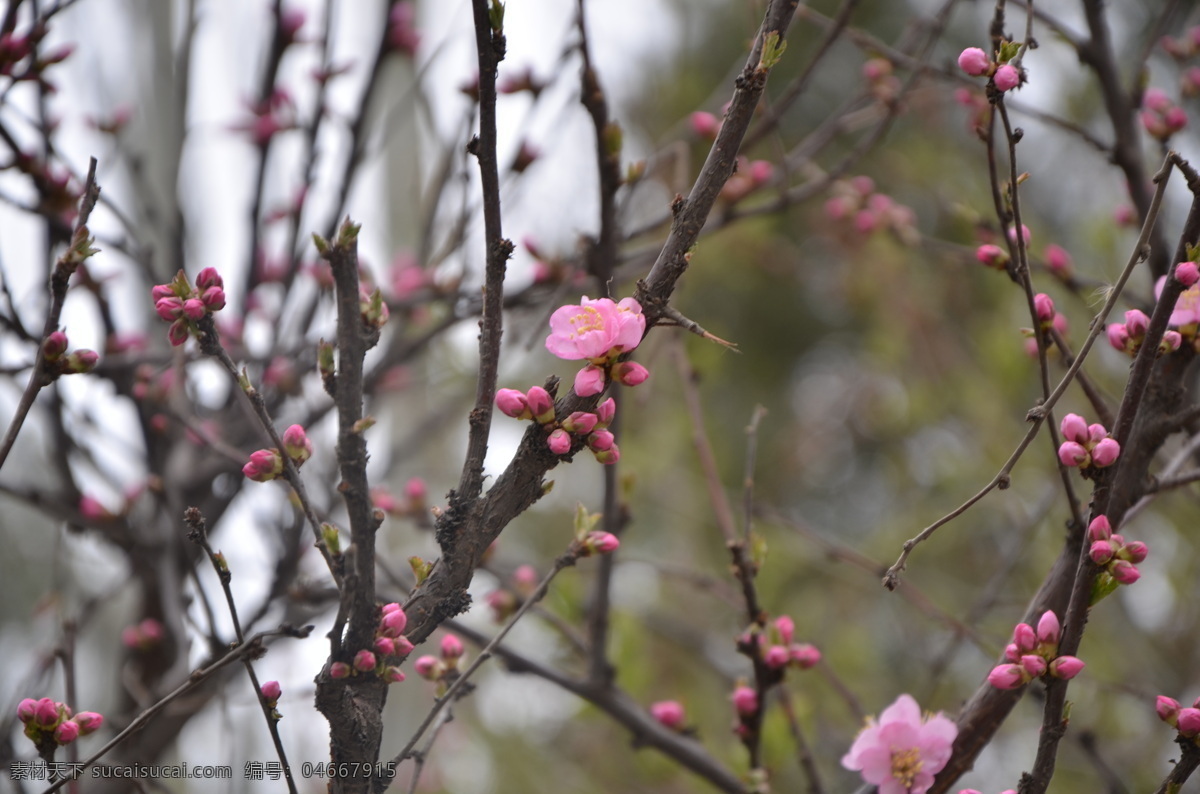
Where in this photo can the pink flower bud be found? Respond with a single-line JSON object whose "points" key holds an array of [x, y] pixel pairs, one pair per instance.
{"points": [[777, 656], [1073, 454], [393, 623], [1118, 337], [213, 299], [66, 732], [600, 543], [364, 661], [1024, 637], [992, 255], [669, 713], [559, 442], [209, 277], [745, 701], [1058, 261], [600, 440], [605, 412], [1044, 306], [393, 675], [974, 61], [1105, 453], [26, 710], [264, 465], [512, 402], [1074, 428], [390, 607], [805, 656], [81, 361], [1048, 629], [54, 346], [88, 722], [297, 444], [1007, 676], [1100, 529], [1188, 721], [1170, 342], [452, 647], [271, 691], [46, 714], [1136, 322], [1012, 652], [1124, 572], [1187, 273], [1134, 552], [705, 125], [428, 667], [160, 291], [630, 373], [193, 309], [589, 381], [608, 456], [177, 334], [580, 422], [339, 670], [401, 646], [541, 404], [416, 490], [1033, 665], [1101, 552], [786, 628], [169, 309], [384, 646], [1006, 78], [1167, 709], [1066, 667]]}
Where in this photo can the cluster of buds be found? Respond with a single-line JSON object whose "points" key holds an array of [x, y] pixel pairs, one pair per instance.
{"points": [[745, 706], [1033, 654], [856, 202], [49, 723], [270, 117], [142, 636], [1117, 557], [1185, 720], [58, 361], [588, 539], [1086, 445], [413, 504], [1128, 336], [538, 405], [22, 59], [1161, 117], [882, 82], [1004, 75], [389, 648], [1047, 318], [506, 600], [747, 177], [184, 305], [599, 332], [778, 648], [441, 669], [267, 464]]}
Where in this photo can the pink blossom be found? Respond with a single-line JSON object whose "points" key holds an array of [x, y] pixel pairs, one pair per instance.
{"points": [[1187, 273], [1074, 428], [47, 713], [1066, 667], [1187, 306], [1118, 337], [559, 442], [385, 646], [27, 708], [974, 61], [452, 647], [589, 381], [393, 623], [669, 713], [1105, 453], [595, 329], [1188, 721], [902, 752], [1006, 78], [271, 691]]}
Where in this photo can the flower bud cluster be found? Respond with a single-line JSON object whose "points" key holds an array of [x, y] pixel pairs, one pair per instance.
{"points": [[778, 648], [58, 361], [184, 305], [1160, 116], [1128, 336], [507, 600], [49, 723], [856, 203], [267, 464], [977, 63], [883, 84], [413, 502], [1119, 558], [1034, 654], [1184, 719], [442, 669], [599, 331], [537, 404], [142, 636], [749, 176], [389, 648], [1086, 445], [1048, 319]]}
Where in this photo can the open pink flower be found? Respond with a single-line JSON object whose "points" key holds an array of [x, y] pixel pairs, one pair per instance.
{"points": [[1187, 307], [595, 329], [902, 752]]}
